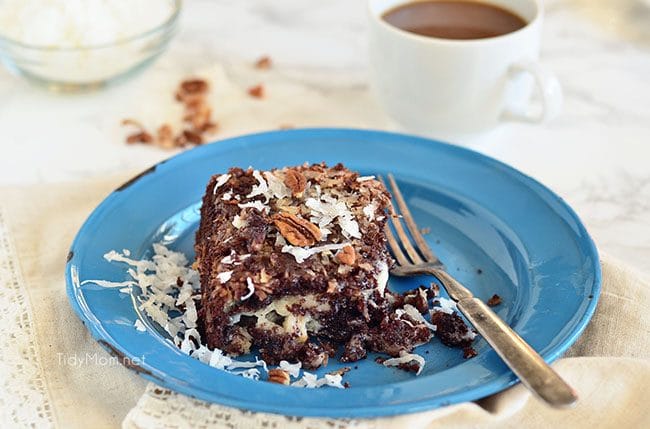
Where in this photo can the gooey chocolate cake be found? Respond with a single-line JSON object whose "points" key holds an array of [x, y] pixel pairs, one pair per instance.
{"points": [[293, 261]]}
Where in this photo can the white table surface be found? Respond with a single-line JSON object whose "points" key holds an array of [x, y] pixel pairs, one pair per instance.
{"points": [[596, 155]]}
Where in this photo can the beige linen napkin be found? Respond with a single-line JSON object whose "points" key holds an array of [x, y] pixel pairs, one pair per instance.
{"points": [[52, 373]]}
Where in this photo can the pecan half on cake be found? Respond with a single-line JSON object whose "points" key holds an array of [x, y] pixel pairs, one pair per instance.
{"points": [[293, 261]]}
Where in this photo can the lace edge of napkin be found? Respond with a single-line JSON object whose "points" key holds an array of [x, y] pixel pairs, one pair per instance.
{"points": [[162, 408], [24, 399]]}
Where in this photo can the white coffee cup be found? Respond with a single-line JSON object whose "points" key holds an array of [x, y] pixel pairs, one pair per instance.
{"points": [[445, 87]]}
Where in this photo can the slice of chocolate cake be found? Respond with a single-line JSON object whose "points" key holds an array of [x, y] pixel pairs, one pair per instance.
{"points": [[294, 261]]}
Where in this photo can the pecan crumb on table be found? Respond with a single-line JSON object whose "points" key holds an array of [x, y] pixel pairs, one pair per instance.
{"points": [[263, 63], [257, 91], [197, 121]]}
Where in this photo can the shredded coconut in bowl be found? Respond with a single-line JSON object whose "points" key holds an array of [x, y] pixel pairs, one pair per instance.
{"points": [[169, 289], [76, 44], [79, 23]]}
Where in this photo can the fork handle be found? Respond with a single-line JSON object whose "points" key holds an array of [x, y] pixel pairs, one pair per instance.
{"points": [[525, 362]]}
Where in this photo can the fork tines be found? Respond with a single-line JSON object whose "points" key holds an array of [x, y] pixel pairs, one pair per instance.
{"points": [[417, 250]]}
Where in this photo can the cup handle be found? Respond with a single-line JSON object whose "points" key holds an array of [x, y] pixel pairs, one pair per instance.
{"points": [[548, 88]]}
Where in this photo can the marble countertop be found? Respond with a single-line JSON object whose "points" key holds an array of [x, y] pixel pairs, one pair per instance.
{"points": [[596, 155]]}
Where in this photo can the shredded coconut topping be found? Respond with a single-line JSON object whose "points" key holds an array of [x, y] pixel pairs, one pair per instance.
{"points": [[238, 222], [277, 188], [302, 253], [326, 209], [224, 277], [257, 204], [251, 289], [233, 258], [222, 180], [369, 211], [365, 178], [261, 188]]}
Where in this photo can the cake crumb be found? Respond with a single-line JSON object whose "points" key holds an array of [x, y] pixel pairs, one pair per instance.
{"points": [[469, 352], [494, 300], [340, 371]]}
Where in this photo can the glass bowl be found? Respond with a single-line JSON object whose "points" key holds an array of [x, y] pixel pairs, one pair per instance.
{"points": [[88, 67]]}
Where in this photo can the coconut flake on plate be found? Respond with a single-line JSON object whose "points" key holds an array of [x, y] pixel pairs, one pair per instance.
{"points": [[292, 368], [252, 373], [415, 315], [219, 360], [311, 381], [445, 305], [405, 357], [109, 285], [162, 294], [139, 325]]}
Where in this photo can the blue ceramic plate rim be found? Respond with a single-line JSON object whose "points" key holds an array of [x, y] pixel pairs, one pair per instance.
{"points": [[335, 403]]}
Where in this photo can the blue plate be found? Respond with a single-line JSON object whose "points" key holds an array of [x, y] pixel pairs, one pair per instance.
{"points": [[497, 230]]}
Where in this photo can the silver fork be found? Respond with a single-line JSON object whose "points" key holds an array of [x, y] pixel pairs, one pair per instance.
{"points": [[419, 259]]}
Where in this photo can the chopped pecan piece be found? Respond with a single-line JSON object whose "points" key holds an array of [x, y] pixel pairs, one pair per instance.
{"points": [[132, 122], [295, 181], [194, 86], [192, 137], [197, 118], [346, 255], [297, 230], [139, 137], [279, 376], [256, 91], [263, 63], [165, 136]]}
